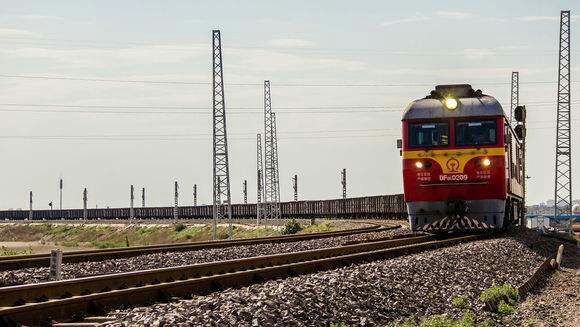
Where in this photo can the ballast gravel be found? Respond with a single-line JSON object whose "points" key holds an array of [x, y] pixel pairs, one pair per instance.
{"points": [[368, 294], [172, 259]]}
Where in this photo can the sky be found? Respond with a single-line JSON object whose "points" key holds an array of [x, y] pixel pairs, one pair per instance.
{"points": [[105, 94]]}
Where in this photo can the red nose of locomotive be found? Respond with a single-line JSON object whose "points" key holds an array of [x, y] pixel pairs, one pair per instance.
{"points": [[454, 159]]}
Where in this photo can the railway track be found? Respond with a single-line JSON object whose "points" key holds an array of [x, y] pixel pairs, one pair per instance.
{"points": [[73, 299], [43, 260]]}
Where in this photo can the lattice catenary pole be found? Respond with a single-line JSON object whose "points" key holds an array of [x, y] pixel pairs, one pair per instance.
{"points": [[343, 182], [270, 175], [221, 170], [515, 94], [195, 194], [85, 203], [295, 187], [143, 197], [245, 189], [176, 198], [259, 178], [131, 208], [563, 178], [60, 185], [30, 215], [276, 161]]}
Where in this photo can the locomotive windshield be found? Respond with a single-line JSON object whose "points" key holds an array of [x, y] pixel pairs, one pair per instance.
{"points": [[428, 134], [476, 132]]}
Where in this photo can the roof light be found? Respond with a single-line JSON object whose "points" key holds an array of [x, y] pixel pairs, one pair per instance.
{"points": [[450, 103]]}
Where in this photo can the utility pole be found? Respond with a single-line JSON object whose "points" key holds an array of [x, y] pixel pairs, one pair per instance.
{"points": [[175, 208], [131, 209], [194, 194], [221, 168], [276, 161], [271, 195], [60, 187], [259, 177], [295, 187], [85, 200], [343, 182], [563, 179], [143, 197], [245, 191], [30, 215], [515, 95]]}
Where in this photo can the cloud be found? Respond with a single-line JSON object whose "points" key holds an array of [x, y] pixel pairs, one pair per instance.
{"points": [[102, 57], [40, 17], [6, 32], [268, 61], [545, 18], [418, 17], [537, 18], [458, 15], [291, 43], [477, 53]]}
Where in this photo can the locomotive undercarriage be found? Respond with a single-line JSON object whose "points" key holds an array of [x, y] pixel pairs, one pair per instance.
{"points": [[443, 216]]}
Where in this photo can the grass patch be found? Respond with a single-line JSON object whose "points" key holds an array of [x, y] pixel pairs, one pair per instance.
{"points": [[500, 298], [341, 324], [4, 251], [292, 227], [324, 226], [179, 227], [468, 319], [108, 244], [461, 302]]}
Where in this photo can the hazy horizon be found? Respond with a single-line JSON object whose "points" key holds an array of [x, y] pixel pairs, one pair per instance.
{"points": [[107, 94]]}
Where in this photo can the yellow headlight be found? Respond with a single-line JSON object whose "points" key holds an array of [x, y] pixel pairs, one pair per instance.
{"points": [[486, 162], [419, 164], [451, 103]]}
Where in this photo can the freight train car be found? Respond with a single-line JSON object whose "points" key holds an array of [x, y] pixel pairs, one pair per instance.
{"points": [[383, 206]]}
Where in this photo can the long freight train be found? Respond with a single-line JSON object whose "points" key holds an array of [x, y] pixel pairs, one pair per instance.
{"points": [[462, 161], [383, 206]]}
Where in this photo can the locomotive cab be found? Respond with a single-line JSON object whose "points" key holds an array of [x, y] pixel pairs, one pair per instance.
{"points": [[455, 172]]}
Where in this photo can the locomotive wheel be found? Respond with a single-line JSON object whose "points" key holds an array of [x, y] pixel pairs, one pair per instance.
{"points": [[508, 214]]}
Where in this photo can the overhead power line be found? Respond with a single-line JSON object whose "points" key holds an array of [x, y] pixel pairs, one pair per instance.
{"points": [[283, 84]]}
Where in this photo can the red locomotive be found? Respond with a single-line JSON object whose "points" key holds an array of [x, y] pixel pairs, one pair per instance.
{"points": [[462, 161]]}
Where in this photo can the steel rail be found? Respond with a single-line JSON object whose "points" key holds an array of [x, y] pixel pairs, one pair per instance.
{"points": [[43, 260], [69, 299]]}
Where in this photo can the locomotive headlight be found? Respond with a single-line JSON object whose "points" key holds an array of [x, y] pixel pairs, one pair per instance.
{"points": [[486, 162], [451, 103], [419, 164]]}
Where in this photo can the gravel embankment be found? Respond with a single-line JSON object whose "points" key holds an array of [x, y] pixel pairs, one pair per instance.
{"points": [[371, 294], [169, 259]]}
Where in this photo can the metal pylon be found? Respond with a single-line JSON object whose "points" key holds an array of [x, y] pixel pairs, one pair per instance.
{"points": [[221, 169], [259, 178], [343, 182], [515, 95], [276, 160], [563, 180], [271, 193], [176, 201], [295, 187], [245, 190], [194, 194], [85, 203], [132, 198]]}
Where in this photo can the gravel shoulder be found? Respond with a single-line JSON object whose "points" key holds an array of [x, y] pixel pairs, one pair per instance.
{"points": [[171, 259], [555, 301], [370, 294]]}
